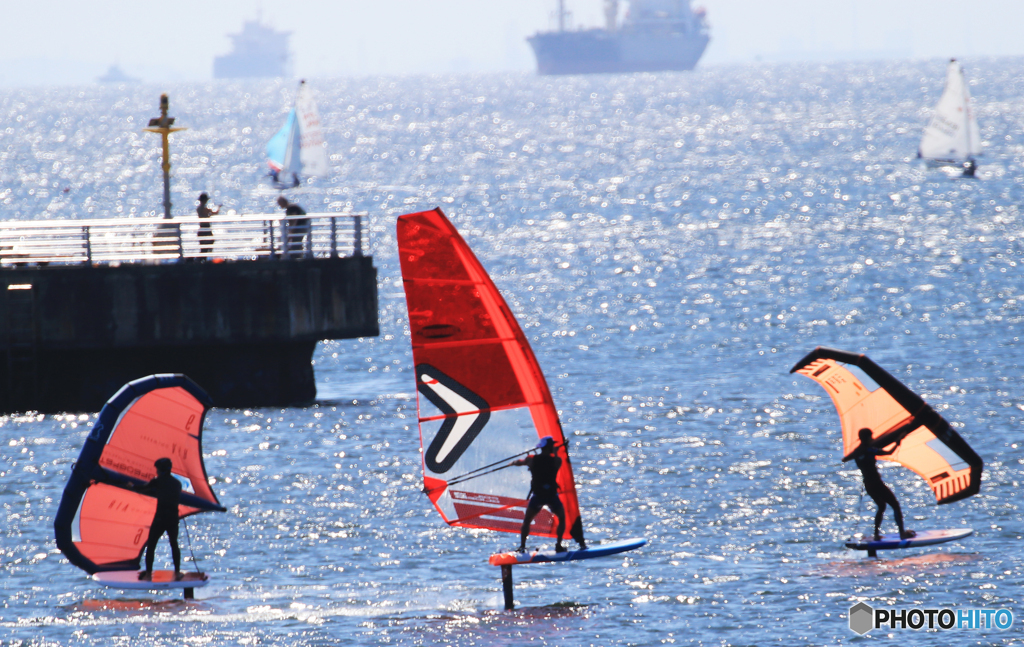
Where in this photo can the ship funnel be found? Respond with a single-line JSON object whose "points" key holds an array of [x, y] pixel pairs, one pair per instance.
{"points": [[611, 14]]}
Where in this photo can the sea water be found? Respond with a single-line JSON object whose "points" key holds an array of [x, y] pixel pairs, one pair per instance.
{"points": [[671, 244]]}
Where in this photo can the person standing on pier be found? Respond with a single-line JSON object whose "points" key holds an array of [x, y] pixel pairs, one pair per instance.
{"points": [[205, 232], [296, 228]]}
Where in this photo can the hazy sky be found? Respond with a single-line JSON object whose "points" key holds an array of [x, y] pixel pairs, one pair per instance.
{"points": [[64, 41]]}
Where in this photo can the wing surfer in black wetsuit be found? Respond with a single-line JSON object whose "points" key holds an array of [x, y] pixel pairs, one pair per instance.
{"points": [[544, 491], [876, 489], [167, 491]]}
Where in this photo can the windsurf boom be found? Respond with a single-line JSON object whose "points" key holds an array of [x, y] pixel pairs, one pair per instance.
{"points": [[101, 524], [928, 445], [482, 398]]}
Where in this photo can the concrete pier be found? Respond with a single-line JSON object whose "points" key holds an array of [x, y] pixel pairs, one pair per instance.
{"points": [[244, 329]]}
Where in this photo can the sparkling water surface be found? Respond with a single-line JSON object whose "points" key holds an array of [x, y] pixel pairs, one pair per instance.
{"points": [[672, 245]]}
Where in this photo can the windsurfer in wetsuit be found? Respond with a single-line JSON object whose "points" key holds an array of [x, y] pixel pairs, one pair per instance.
{"points": [[876, 489], [544, 491], [167, 491]]}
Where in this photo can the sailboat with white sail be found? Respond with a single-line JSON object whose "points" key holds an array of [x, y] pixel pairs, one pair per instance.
{"points": [[952, 137], [298, 149]]}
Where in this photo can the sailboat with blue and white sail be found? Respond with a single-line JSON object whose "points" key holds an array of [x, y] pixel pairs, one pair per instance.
{"points": [[952, 137], [298, 150]]}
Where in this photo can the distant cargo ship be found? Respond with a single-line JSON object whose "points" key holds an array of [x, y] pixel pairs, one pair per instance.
{"points": [[655, 35], [116, 75], [259, 51]]}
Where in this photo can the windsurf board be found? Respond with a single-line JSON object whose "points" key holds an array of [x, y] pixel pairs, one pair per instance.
{"points": [[540, 557], [923, 538], [162, 580]]}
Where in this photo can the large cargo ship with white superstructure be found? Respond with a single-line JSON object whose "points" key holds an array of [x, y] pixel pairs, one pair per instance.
{"points": [[653, 36], [258, 51]]}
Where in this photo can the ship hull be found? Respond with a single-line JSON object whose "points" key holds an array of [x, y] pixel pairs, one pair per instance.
{"points": [[597, 51]]}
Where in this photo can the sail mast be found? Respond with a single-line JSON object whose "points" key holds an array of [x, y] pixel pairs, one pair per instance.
{"points": [[967, 111]]}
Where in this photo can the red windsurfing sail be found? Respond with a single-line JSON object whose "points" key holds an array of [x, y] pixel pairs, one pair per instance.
{"points": [[927, 444], [102, 524], [482, 398]]}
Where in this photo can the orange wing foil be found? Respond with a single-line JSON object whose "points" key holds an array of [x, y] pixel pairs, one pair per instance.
{"points": [[894, 413]]}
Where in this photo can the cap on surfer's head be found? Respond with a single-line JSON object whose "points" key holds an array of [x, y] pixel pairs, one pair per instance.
{"points": [[163, 465], [547, 442], [865, 434]]}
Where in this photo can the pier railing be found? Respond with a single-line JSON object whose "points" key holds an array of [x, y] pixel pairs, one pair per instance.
{"points": [[138, 240]]}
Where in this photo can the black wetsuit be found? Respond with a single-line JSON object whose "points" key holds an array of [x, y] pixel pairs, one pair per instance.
{"points": [[167, 491], [543, 492], [205, 233], [544, 483], [298, 229], [544, 469], [876, 489]]}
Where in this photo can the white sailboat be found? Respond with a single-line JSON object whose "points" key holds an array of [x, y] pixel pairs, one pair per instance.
{"points": [[952, 136], [297, 150]]}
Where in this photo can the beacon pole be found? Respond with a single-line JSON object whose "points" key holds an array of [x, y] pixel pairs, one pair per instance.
{"points": [[162, 126]]}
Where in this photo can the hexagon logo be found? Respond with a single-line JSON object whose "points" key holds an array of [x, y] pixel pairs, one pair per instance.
{"points": [[862, 618]]}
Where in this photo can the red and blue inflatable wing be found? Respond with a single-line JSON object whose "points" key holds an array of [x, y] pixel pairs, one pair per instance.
{"points": [[102, 524]]}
